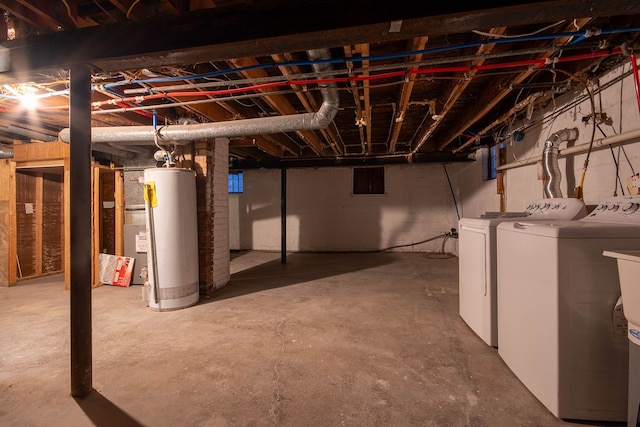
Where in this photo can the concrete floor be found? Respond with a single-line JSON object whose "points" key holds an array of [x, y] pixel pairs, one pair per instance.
{"points": [[325, 340]]}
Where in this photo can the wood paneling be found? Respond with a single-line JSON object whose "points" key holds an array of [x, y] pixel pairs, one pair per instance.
{"points": [[4, 242], [119, 213], [67, 222], [42, 151], [5, 229], [38, 223], [52, 227], [26, 223]]}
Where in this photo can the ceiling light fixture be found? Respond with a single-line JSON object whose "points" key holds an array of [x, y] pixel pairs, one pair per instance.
{"points": [[26, 96]]}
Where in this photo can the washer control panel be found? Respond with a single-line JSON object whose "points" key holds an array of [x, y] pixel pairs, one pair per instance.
{"points": [[557, 208], [617, 209]]}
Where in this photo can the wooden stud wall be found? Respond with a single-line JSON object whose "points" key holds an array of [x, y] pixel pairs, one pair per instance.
{"points": [[26, 231], [52, 223], [13, 242], [39, 237], [95, 242], [39, 220], [119, 212], [67, 222], [108, 215], [7, 252]]}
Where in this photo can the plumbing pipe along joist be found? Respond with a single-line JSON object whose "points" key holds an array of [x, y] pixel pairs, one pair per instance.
{"points": [[184, 134], [630, 137]]}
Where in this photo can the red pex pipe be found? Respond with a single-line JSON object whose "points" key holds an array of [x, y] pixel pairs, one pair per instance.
{"points": [[435, 70], [636, 79]]}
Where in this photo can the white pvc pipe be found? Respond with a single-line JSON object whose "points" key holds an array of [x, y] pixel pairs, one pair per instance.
{"points": [[622, 139]]}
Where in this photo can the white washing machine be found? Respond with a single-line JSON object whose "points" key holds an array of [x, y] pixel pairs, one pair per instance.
{"points": [[477, 259], [556, 298]]}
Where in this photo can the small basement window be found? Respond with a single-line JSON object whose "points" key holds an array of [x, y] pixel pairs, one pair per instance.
{"points": [[236, 184], [368, 180], [496, 158]]}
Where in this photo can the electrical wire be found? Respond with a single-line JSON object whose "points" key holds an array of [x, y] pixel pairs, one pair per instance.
{"points": [[576, 101], [616, 162], [69, 12], [453, 195], [334, 72], [194, 102], [131, 8], [439, 49], [347, 80], [504, 36], [449, 234]]}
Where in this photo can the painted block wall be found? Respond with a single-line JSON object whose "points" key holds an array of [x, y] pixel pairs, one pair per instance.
{"points": [[619, 103], [524, 184], [324, 215]]}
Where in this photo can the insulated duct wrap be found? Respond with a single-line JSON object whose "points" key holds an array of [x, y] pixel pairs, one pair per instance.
{"points": [[550, 166], [6, 152], [184, 134]]}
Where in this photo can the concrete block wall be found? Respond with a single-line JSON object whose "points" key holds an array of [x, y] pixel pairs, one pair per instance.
{"points": [[619, 102], [324, 215], [523, 184]]}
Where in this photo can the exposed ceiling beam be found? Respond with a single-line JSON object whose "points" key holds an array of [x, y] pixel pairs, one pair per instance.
{"points": [[456, 92], [31, 15], [307, 100], [491, 97], [418, 43], [278, 102], [358, 100], [221, 33]]}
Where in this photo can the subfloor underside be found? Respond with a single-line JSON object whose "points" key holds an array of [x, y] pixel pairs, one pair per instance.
{"points": [[324, 340]]}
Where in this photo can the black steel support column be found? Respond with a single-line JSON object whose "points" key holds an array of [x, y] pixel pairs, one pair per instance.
{"points": [[283, 215], [80, 230]]}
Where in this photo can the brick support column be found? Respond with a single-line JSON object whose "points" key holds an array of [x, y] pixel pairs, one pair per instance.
{"points": [[211, 163]]}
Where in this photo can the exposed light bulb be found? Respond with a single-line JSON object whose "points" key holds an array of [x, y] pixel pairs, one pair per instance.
{"points": [[28, 101]]}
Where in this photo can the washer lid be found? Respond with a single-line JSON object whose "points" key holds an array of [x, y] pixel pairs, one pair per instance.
{"points": [[572, 229], [487, 222]]}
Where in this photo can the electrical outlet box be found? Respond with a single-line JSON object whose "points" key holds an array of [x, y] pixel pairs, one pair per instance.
{"points": [[633, 184]]}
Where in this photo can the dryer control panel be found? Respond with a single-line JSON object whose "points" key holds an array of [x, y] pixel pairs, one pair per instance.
{"points": [[557, 209], [625, 209]]}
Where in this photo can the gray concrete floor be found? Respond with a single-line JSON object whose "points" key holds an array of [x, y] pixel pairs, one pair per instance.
{"points": [[325, 340]]}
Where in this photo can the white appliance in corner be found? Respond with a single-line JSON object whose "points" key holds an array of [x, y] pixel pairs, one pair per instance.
{"points": [[133, 234], [477, 259], [557, 296]]}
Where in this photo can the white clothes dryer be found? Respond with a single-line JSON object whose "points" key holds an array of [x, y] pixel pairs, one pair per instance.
{"points": [[477, 259], [557, 296]]}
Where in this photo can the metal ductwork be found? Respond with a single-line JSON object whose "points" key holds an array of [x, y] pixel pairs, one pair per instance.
{"points": [[552, 173], [184, 134], [6, 152], [28, 134]]}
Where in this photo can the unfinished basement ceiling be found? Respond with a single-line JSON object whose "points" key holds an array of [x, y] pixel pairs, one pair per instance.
{"points": [[415, 82]]}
